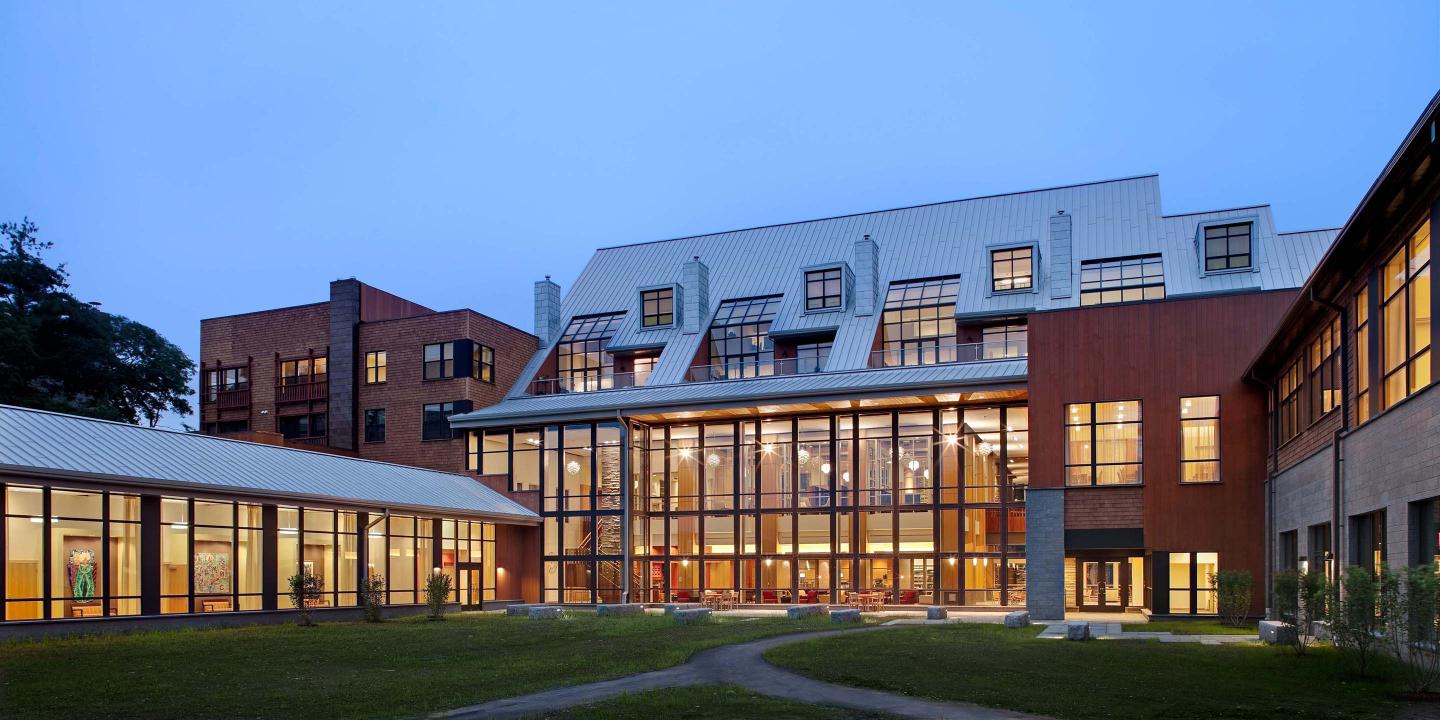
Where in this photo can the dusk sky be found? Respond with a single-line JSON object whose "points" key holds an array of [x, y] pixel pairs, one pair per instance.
{"points": [[200, 159]]}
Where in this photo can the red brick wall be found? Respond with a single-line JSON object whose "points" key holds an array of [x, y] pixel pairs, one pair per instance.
{"points": [[1111, 507], [257, 337], [404, 393]]}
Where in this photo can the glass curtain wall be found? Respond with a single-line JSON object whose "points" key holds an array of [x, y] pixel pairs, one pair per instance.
{"points": [[583, 488]]}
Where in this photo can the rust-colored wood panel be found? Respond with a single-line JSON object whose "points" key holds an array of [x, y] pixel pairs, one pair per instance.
{"points": [[1157, 353], [517, 562], [376, 305], [501, 484], [1105, 507]]}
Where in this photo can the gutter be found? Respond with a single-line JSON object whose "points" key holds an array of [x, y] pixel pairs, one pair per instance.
{"points": [[1337, 452], [1271, 463]]}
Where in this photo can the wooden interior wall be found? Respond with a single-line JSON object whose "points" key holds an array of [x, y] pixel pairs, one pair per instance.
{"points": [[517, 551]]}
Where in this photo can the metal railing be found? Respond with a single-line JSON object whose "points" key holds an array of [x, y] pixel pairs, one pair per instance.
{"points": [[947, 353], [741, 370], [586, 383]]}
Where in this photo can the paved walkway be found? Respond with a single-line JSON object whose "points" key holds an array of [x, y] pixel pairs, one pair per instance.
{"points": [[743, 665]]}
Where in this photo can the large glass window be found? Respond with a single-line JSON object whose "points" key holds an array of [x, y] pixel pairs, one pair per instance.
{"points": [[918, 324], [581, 359], [657, 307], [1405, 318], [1200, 439], [299, 427], [822, 289], [811, 357], [1362, 353], [1323, 382], [1004, 341], [1012, 269], [740, 344], [1120, 280], [1192, 583], [1103, 445], [1227, 247]]}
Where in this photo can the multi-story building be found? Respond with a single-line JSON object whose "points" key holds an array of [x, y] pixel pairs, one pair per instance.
{"points": [[365, 373], [1354, 461], [1027, 399]]}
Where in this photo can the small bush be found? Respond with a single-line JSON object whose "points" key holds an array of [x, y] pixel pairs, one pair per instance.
{"points": [[1232, 588], [305, 590], [372, 595], [437, 593], [1300, 602], [1413, 625], [1357, 620]]}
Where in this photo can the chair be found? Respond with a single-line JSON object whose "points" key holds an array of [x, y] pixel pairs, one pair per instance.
{"points": [[682, 596], [909, 597], [810, 597], [768, 596]]}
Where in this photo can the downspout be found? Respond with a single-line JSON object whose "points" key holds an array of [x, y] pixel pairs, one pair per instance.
{"points": [[1273, 430], [1337, 451], [625, 482]]}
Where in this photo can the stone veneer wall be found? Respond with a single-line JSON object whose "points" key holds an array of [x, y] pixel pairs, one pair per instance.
{"points": [[1045, 553]]}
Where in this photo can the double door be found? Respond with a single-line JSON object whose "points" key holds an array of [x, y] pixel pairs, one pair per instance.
{"points": [[472, 585], [1103, 583]]}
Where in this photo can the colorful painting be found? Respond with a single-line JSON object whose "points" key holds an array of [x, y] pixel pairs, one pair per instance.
{"points": [[80, 568], [212, 573]]}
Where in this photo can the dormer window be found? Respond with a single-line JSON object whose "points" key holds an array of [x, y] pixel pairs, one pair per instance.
{"points": [[740, 344], [823, 289], [1227, 247], [1122, 280], [1012, 269], [657, 307]]}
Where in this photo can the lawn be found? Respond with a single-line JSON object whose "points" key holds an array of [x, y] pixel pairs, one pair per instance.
{"points": [[1112, 679], [1193, 627], [403, 667], [708, 702]]}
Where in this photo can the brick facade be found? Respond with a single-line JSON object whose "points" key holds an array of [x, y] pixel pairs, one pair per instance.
{"points": [[359, 319]]}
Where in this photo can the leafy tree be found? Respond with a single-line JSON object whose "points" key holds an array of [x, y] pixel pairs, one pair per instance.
{"points": [[1300, 602], [1233, 588], [372, 596], [437, 593], [305, 591], [60, 353], [1359, 614], [1412, 627]]}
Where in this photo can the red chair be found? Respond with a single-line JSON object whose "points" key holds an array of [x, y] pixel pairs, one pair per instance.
{"points": [[810, 597], [768, 596], [683, 596], [909, 597]]}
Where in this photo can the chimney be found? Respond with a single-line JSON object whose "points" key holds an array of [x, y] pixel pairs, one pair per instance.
{"points": [[867, 276], [1061, 282], [695, 289], [547, 311]]}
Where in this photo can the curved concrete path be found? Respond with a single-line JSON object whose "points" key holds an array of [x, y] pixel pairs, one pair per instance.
{"points": [[744, 665]]}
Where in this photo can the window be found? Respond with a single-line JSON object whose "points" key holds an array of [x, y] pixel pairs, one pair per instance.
{"points": [[740, 344], [1200, 439], [1227, 247], [1121, 280], [1192, 583], [1405, 319], [822, 289], [1004, 341], [296, 427], [811, 357], [1012, 269], [642, 366], [657, 307], [225, 380], [295, 372], [1367, 541], [1319, 550], [1289, 550], [484, 370], [1103, 445], [1324, 379], [1362, 353], [439, 361], [919, 322], [227, 426], [435, 425], [581, 359], [375, 367], [1289, 391], [374, 426]]}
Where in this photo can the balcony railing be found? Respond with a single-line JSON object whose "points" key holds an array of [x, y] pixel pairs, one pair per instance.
{"points": [[587, 383], [302, 391], [230, 399], [946, 354], [740, 370]]}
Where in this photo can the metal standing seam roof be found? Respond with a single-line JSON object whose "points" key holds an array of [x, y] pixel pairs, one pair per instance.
{"points": [[1109, 219], [39, 442], [775, 389]]}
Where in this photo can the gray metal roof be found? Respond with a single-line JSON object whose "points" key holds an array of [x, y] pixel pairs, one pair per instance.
{"points": [[45, 443], [1109, 219], [735, 393]]}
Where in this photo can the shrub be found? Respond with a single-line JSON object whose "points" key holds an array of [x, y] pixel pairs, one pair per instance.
{"points": [[1232, 588], [1356, 621], [372, 595], [437, 593], [1300, 601], [305, 590], [1412, 627]]}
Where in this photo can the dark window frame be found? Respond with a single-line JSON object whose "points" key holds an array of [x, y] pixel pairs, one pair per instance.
{"points": [[1093, 464], [443, 366], [739, 337], [1149, 275], [375, 431], [432, 428], [1216, 460], [1012, 279], [581, 360], [811, 357], [311, 430], [484, 369], [657, 307], [824, 289], [910, 307], [376, 368], [1228, 258]]}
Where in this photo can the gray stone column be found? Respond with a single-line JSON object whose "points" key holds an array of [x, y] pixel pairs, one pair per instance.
{"points": [[1045, 553]]}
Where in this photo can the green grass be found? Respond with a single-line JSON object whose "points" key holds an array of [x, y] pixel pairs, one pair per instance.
{"points": [[1192, 627], [1111, 679], [708, 702], [399, 668]]}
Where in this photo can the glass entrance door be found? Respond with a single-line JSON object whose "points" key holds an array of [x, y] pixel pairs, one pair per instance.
{"points": [[472, 588], [1103, 585]]}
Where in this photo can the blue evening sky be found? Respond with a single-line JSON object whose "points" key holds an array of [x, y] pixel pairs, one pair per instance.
{"points": [[193, 159]]}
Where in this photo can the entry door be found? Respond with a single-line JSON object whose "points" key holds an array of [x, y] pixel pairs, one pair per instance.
{"points": [[472, 588], [1103, 584]]}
